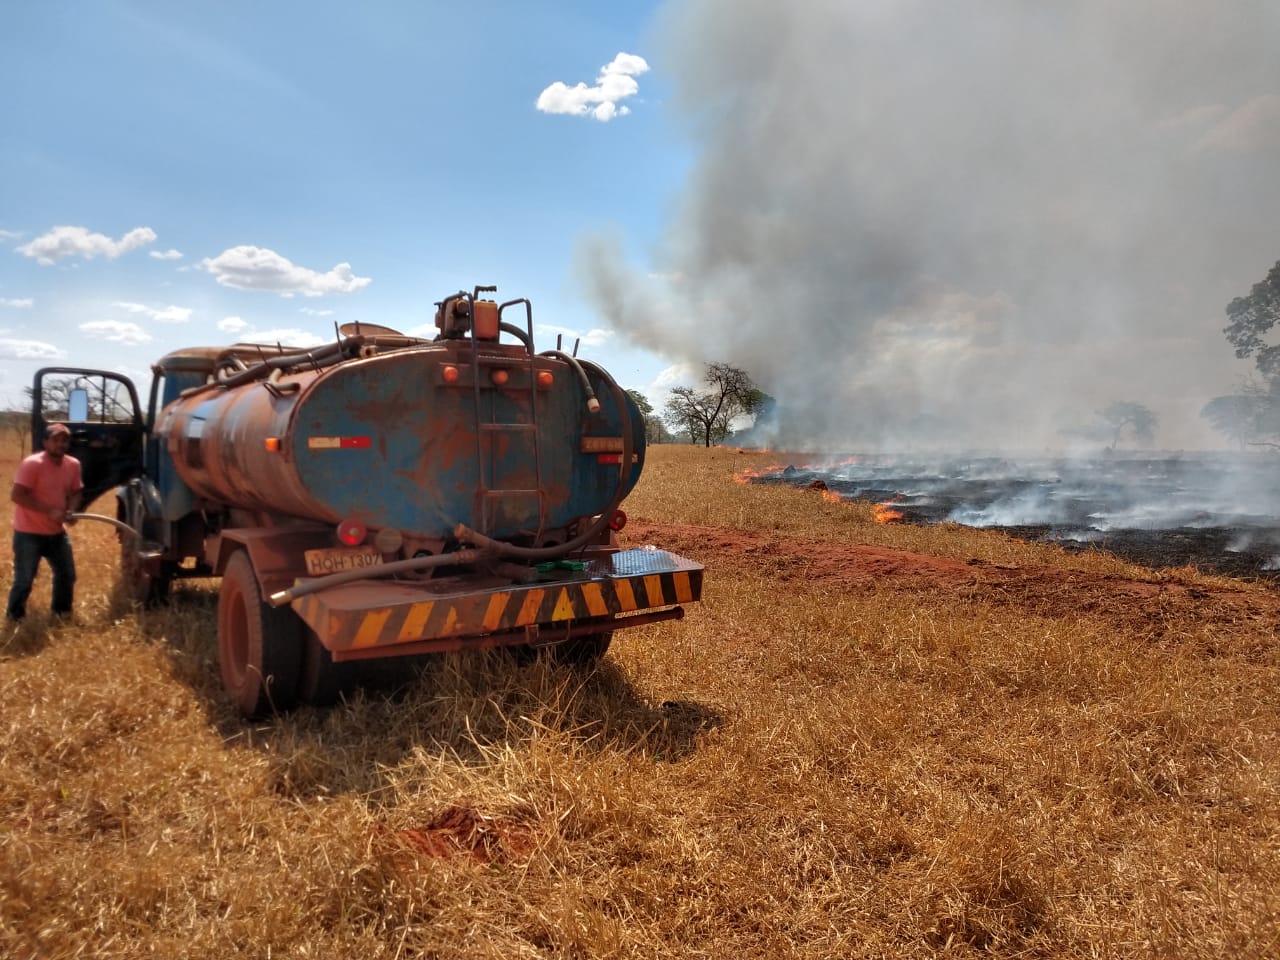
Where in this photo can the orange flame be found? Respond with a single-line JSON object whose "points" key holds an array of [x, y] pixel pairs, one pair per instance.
{"points": [[748, 474], [830, 497], [884, 513]]}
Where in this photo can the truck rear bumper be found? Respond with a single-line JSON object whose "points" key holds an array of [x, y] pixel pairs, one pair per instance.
{"points": [[373, 618]]}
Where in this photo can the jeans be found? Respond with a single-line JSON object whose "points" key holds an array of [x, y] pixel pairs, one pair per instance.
{"points": [[28, 548]]}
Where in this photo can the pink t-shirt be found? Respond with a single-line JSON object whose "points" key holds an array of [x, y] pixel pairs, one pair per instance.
{"points": [[53, 485]]}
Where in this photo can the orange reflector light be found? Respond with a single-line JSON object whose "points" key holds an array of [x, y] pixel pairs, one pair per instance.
{"points": [[449, 374], [500, 377], [352, 532], [545, 379], [618, 522], [271, 444]]}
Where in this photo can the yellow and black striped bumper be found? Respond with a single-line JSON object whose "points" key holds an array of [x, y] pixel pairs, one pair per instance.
{"points": [[368, 614]]}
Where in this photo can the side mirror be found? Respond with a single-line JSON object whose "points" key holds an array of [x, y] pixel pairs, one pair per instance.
{"points": [[78, 403]]}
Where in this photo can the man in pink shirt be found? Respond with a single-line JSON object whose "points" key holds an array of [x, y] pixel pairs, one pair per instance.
{"points": [[46, 491]]}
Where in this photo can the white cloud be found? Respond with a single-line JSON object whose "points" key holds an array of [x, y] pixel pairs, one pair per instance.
{"points": [[169, 314], [313, 312], [166, 254], [592, 338], [256, 268], [29, 350], [232, 325], [287, 336], [616, 82], [21, 303], [79, 242], [10, 234], [117, 331]]}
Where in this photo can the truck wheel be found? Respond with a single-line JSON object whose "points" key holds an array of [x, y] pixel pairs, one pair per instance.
{"points": [[582, 651], [259, 646], [322, 682], [141, 586]]}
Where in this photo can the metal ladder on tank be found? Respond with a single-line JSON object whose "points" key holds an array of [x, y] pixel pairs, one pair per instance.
{"points": [[487, 429]]}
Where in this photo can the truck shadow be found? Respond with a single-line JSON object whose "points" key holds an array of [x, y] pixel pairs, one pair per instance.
{"points": [[466, 708]]}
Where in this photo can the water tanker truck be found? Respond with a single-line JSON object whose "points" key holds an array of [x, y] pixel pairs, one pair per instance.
{"points": [[382, 496]]}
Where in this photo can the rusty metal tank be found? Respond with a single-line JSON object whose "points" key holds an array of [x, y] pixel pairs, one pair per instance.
{"points": [[418, 437]]}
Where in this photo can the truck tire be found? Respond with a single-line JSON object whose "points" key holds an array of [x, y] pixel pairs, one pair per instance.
{"points": [[259, 646], [579, 653], [321, 682], [140, 586], [582, 652]]}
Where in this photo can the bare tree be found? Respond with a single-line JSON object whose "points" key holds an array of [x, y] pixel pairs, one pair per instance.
{"points": [[708, 413], [1125, 413]]}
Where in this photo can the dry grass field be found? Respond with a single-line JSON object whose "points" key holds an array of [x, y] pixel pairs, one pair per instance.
{"points": [[868, 740]]}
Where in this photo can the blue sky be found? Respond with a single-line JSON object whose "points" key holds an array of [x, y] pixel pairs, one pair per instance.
{"points": [[916, 224], [163, 161]]}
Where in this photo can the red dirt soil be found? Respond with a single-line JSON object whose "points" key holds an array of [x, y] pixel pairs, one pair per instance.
{"points": [[1049, 591], [462, 831]]}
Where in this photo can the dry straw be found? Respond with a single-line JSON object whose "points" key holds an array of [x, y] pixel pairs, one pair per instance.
{"points": [[1058, 756]]}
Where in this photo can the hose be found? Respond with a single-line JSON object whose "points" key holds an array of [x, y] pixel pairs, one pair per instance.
{"points": [[281, 597], [324, 357], [118, 524], [517, 332], [576, 365], [143, 546]]}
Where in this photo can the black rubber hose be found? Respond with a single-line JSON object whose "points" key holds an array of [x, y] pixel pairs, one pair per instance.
{"points": [[517, 332], [333, 353], [281, 597], [592, 403]]}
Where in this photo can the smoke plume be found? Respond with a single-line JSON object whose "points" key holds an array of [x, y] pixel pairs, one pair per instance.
{"points": [[962, 225]]}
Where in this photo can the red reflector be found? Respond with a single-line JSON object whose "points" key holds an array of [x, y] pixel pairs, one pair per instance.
{"points": [[352, 532], [618, 522], [356, 443], [609, 458]]}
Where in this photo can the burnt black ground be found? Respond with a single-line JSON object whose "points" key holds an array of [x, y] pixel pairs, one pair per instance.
{"points": [[1220, 514]]}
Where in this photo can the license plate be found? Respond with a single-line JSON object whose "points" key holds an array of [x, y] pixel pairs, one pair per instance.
{"points": [[340, 559]]}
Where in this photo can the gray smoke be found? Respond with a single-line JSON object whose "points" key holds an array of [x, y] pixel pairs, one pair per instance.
{"points": [[962, 224]]}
